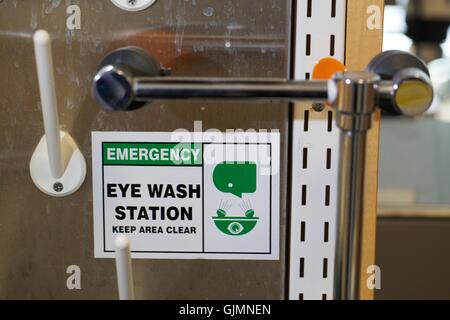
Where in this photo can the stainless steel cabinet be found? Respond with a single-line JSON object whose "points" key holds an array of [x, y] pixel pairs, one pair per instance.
{"points": [[41, 236]]}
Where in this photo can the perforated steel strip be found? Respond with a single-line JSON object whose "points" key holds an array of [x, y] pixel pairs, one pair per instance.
{"points": [[320, 33]]}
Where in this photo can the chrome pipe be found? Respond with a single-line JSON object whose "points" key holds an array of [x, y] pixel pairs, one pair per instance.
{"points": [[350, 216], [229, 89], [355, 105]]}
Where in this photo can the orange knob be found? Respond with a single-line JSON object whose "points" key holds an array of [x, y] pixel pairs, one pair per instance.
{"points": [[326, 68]]}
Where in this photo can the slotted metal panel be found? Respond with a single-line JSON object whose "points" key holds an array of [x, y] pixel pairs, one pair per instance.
{"points": [[320, 33]]}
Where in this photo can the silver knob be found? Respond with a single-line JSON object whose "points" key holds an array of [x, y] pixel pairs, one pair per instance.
{"points": [[113, 83], [412, 92], [406, 87], [113, 88]]}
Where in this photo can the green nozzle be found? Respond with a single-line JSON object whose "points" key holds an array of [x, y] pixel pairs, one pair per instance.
{"points": [[221, 213], [250, 213]]}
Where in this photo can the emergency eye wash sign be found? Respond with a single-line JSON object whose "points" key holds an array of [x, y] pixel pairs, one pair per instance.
{"points": [[193, 196]]}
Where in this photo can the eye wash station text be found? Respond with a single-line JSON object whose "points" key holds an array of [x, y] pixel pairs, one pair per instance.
{"points": [[153, 213]]}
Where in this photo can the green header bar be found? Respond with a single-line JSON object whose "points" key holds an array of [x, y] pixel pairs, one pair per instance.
{"points": [[152, 154]]}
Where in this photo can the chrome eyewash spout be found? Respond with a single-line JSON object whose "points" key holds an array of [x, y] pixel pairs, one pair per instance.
{"points": [[395, 81], [398, 83]]}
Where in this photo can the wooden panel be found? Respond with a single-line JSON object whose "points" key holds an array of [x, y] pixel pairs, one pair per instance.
{"points": [[362, 45]]}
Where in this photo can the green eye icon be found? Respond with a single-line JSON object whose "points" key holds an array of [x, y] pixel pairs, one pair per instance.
{"points": [[235, 228], [236, 178]]}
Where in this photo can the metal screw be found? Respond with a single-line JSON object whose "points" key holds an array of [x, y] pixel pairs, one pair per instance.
{"points": [[318, 107], [132, 2], [58, 187], [165, 72]]}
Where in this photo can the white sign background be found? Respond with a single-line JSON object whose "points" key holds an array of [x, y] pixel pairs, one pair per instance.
{"points": [[262, 243]]}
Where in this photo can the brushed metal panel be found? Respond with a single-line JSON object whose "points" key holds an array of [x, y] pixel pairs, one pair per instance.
{"points": [[413, 256], [41, 236]]}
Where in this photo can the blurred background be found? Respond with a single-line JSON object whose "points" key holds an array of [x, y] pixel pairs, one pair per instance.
{"points": [[413, 237]]}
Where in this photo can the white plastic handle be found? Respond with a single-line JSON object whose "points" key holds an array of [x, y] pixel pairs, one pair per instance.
{"points": [[44, 63], [124, 268], [57, 166]]}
